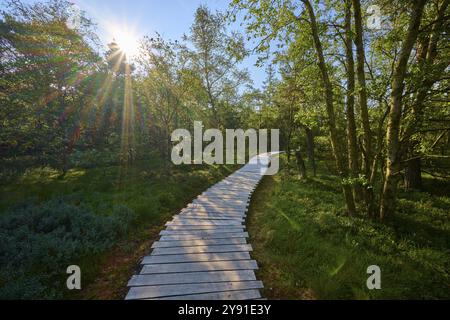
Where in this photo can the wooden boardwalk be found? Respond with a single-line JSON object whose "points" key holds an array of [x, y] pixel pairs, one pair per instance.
{"points": [[203, 253]]}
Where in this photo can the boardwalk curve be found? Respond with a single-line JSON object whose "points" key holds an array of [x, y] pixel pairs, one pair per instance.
{"points": [[203, 253]]}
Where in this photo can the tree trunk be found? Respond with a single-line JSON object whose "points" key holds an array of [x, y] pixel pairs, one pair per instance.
{"points": [[413, 174], [301, 164], [426, 56], [310, 149], [350, 110], [388, 197], [364, 111], [340, 164]]}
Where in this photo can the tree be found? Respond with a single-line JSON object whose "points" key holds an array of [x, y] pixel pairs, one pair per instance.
{"points": [[401, 73], [215, 56], [337, 152], [161, 88], [353, 159], [270, 21], [395, 114], [363, 107], [432, 62], [44, 64]]}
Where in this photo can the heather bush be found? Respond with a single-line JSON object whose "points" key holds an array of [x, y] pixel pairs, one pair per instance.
{"points": [[39, 241]]}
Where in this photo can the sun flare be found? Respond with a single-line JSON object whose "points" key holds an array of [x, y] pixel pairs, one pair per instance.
{"points": [[127, 40]]}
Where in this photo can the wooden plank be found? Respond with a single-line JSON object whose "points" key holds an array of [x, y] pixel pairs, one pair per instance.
{"points": [[235, 194], [191, 277], [202, 249], [196, 257], [209, 206], [227, 295], [239, 182], [218, 211], [204, 220], [227, 211], [219, 188], [223, 198], [232, 186], [209, 216], [198, 242], [180, 237], [198, 206], [240, 178], [186, 221], [221, 194], [218, 199], [150, 292], [213, 215], [243, 180], [219, 204], [237, 178], [228, 200], [200, 266], [202, 232], [210, 228], [218, 228], [225, 189]]}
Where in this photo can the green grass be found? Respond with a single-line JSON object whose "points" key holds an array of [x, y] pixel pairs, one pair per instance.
{"points": [[307, 249], [146, 189], [151, 190]]}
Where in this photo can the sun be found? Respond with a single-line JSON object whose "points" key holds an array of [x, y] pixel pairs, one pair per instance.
{"points": [[127, 40], [128, 43]]}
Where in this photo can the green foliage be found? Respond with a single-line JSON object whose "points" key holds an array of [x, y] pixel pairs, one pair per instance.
{"points": [[78, 218], [69, 117], [361, 180], [214, 53], [39, 241], [166, 199], [93, 158], [298, 230], [45, 73], [297, 35]]}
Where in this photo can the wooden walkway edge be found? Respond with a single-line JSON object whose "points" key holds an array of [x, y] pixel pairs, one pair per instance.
{"points": [[203, 253]]}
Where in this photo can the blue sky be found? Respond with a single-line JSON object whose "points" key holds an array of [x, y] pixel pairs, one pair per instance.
{"points": [[171, 18]]}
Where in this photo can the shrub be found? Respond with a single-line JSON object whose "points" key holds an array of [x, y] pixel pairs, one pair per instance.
{"points": [[93, 158], [39, 241], [166, 199], [124, 217]]}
